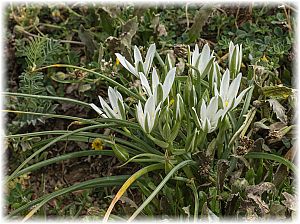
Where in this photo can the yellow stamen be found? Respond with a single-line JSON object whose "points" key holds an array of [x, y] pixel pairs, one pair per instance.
{"points": [[97, 144], [117, 62], [171, 102], [226, 103], [264, 59]]}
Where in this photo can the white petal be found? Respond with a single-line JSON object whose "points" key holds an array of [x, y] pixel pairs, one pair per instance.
{"points": [[132, 69], [98, 110], [198, 123], [168, 82], [126, 64], [225, 84], [216, 89], [109, 112], [150, 106], [209, 127], [234, 86], [137, 55], [240, 97], [231, 49], [145, 84], [212, 107], [157, 110], [203, 114], [204, 58], [149, 58], [140, 115], [195, 55], [240, 57], [122, 60], [118, 95], [155, 80], [113, 100], [149, 121]]}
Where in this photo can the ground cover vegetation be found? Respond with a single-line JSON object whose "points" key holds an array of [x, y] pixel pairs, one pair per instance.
{"points": [[124, 112]]}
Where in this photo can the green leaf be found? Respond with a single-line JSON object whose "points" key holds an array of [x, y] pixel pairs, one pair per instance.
{"points": [[159, 187], [85, 87], [263, 155], [120, 152], [200, 19], [279, 110], [64, 157], [97, 182], [277, 92]]}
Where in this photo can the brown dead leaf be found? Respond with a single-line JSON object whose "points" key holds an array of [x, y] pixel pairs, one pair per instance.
{"points": [[222, 167], [282, 171], [261, 204], [251, 215], [260, 188], [161, 30], [232, 204], [277, 210], [290, 201]]}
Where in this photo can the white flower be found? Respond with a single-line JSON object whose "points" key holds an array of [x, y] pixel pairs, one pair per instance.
{"points": [[179, 107], [116, 110], [154, 89], [209, 116], [147, 117], [201, 60], [228, 93], [138, 60], [235, 58]]}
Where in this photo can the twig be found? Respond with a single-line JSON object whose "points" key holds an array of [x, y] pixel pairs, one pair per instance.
{"points": [[61, 41], [187, 17]]}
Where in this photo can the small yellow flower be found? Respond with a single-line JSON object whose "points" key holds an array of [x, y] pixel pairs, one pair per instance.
{"points": [[117, 62], [97, 144], [264, 59]]}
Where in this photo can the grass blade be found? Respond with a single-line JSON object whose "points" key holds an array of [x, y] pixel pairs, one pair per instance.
{"points": [[123, 88], [264, 155], [97, 182], [47, 98], [13, 175], [83, 120], [159, 187], [127, 184], [65, 157]]}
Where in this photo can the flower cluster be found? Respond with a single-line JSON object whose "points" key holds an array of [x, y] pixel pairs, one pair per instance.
{"points": [[210, 110], [117, 109], [139, 65]]}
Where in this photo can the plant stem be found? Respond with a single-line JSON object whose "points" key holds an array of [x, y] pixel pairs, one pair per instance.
{"points": [[123, 88], [127, 184]]}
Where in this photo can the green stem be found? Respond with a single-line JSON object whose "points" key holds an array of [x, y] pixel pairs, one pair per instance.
{"points": [[64, 157], [97, 182], [159, 187], [83, 120], [128, 183], [123, 88], [47, 98], [14, 174], [264, 155]]}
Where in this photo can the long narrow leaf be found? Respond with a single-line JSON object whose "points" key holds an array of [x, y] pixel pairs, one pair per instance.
{"points": [[47, 98], [97, 182], [159, 187], [64, 157], [13, 175], [128, 183], [123, 88], [264, 155], [82, 120]]}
